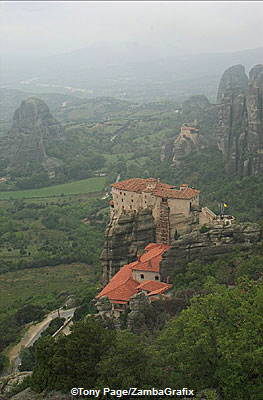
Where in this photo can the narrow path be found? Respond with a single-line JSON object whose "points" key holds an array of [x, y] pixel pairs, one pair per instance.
{"points": [[33, 334]]}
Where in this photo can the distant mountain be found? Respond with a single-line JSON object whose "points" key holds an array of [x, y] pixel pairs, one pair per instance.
{"points": [[128, 71]]}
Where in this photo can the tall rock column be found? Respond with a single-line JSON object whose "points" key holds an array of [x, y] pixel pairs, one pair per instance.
{"points": [[33, 129], [255, 120], [231, 114], [239, 125]]}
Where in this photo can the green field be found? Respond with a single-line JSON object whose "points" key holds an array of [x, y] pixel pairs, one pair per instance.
{"points": [[42, 285], [89, 185]]}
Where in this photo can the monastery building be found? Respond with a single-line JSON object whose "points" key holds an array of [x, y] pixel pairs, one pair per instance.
{"points": [[174, 210]]}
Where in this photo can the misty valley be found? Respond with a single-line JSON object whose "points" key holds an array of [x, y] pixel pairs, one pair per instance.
{"points": [[131, 224]]}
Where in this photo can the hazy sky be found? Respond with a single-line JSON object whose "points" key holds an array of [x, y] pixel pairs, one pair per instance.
{"points": [[50, 27]]}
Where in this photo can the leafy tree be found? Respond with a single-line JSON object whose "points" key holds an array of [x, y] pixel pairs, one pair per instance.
{"points": [[28, 313], [126, 364], [72, 360], [216, 342]]}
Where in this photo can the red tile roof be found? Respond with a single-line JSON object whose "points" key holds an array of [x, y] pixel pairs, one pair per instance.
{"points": [[150, 261], [152, 286], [122, 286], [160, 290], [157, 188], [186, 194], [141, 185]]}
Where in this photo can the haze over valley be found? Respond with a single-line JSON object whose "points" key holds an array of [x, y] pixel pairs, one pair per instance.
{"points": [[131, 199]]}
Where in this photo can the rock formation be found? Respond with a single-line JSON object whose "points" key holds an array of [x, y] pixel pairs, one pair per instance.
{"points": [[187, 141], [198, 108], [9, 383], [203, 113], [125, 238], [240, 120], [33, 129], [206, 247]]}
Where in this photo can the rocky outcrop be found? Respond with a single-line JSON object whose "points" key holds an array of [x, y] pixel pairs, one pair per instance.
{"points": [[184, 144], [125, 238], [234, 82], [33, 129], [203, 114], [218, 241], [240, 120], [9, 383]]}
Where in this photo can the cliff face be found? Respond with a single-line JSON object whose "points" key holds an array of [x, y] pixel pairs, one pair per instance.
{"points": [[240, 120], [125, 238], [206, 247], [33, 127]]}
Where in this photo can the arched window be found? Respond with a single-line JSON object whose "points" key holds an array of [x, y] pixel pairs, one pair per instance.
{"points": [[142, 276]]}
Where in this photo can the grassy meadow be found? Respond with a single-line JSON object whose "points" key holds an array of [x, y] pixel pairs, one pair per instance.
{"points": [[36, 284], [83, 186], [42, 285]]}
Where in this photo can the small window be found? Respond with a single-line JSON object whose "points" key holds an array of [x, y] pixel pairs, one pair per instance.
{"points": [[132, 200], [156, 277], [142, 276], [124, 194], [122, 200]]}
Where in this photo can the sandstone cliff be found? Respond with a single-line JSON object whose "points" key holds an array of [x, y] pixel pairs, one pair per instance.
{"points": [[206, 247], [125, 238], [33, 128], [240, 120]]}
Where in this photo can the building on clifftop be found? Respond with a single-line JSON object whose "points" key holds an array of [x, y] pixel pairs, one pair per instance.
{"points": [[147, 210], [174, 210]]}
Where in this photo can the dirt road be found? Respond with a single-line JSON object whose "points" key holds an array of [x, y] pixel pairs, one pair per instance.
{"points": [[33, 333]]}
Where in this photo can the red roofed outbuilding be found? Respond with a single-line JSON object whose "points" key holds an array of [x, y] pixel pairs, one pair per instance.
{"points": [[141, 275]]}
